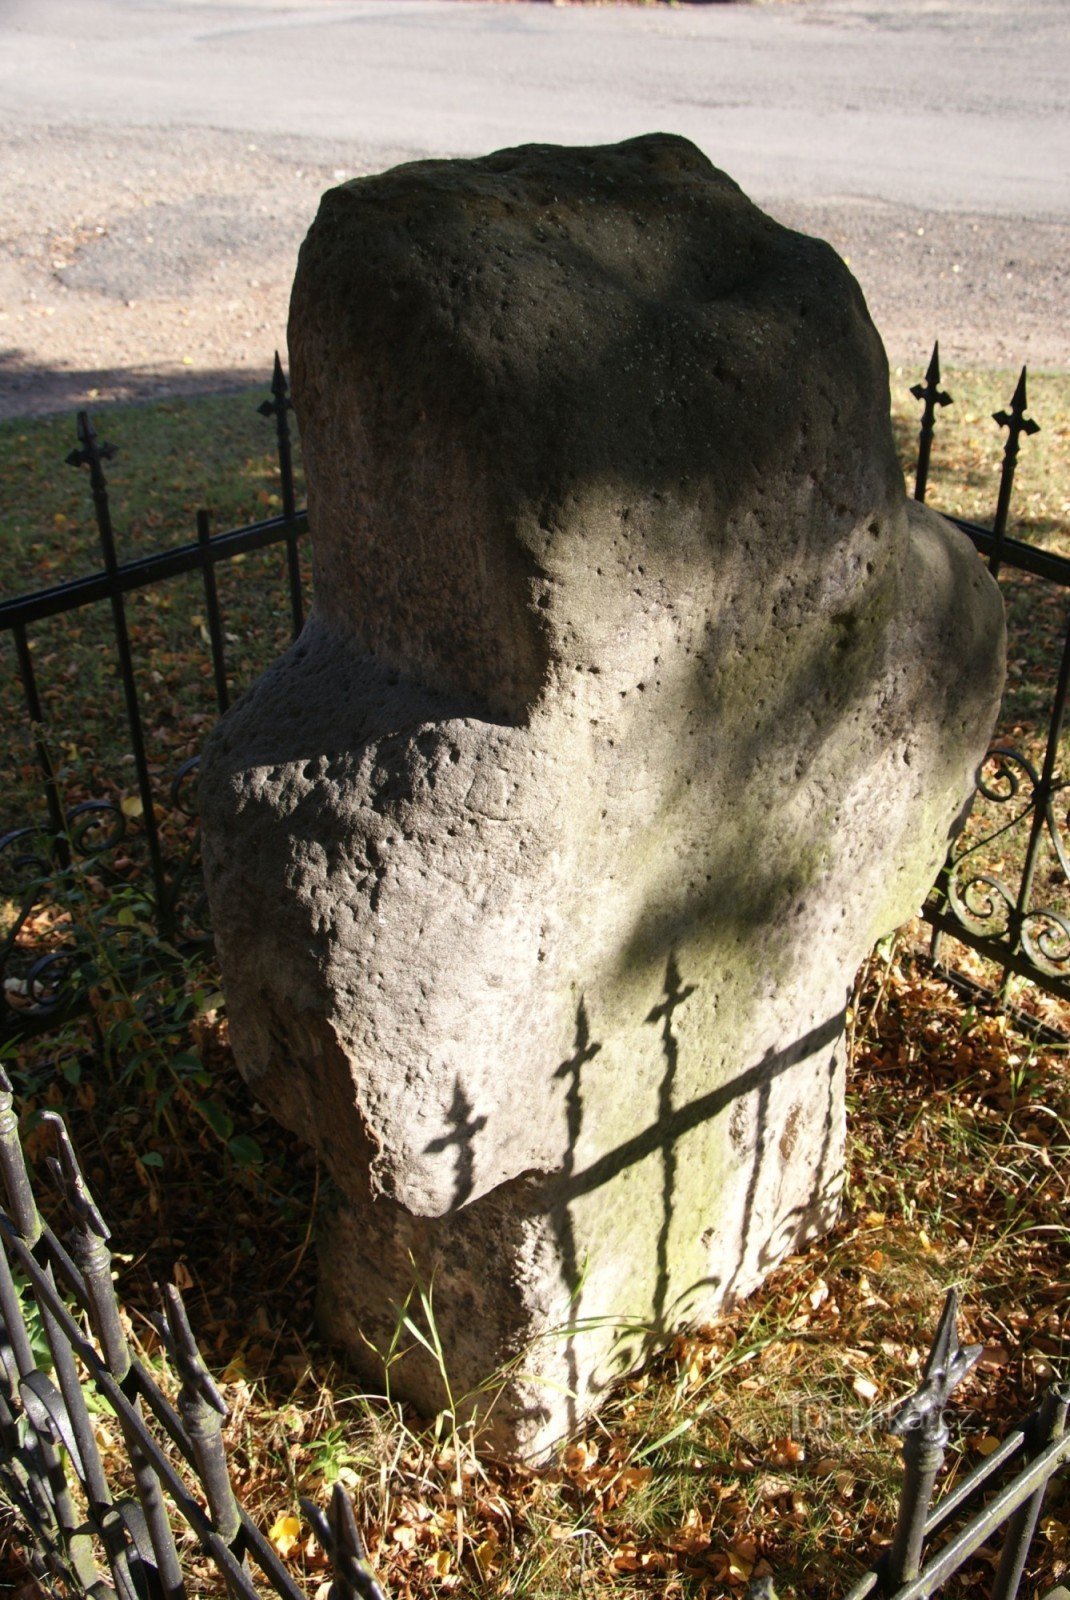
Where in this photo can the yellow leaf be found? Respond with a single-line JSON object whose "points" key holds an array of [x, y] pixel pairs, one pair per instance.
{"points": [[285, 1534], [486, 1553], [440, 1563], [627, 1559], [132, 806]]}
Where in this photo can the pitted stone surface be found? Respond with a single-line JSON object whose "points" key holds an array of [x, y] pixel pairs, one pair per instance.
{"points": [[637, 703]]}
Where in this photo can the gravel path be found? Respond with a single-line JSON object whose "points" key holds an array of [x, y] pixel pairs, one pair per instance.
{"points": [[136, 263]]}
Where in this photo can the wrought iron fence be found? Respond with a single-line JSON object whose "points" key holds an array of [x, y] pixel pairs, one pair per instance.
{"points": [[1038, 1448], [81, 1527], [987, 894], [77, 1523], [41, 989]]}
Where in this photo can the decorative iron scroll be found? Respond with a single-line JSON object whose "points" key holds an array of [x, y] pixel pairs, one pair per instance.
{"points": [[976, 892]]}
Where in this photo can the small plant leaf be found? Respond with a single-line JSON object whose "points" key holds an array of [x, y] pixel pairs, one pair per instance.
{"points": [[220, 1121], [245, 1151]]}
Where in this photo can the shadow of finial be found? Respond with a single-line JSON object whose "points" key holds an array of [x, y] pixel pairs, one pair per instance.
{"points": [[674, 994]]}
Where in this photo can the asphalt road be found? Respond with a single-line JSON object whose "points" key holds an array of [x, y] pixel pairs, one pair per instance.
{"points": [[161, 160]]}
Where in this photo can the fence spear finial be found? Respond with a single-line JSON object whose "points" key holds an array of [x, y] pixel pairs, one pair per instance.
{"points": [[931, 386], [172, 1324], [1016, 418], [70, 1180], [947, 1364], [91, 451], [280, 389], [919, 1422], [931, 394], [339, 1535]]}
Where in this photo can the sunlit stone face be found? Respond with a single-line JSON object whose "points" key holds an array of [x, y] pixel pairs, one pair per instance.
{"points": [[636, 703]]}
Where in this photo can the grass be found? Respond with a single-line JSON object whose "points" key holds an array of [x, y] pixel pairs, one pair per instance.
{"points": [[753, 1445], [176, 456]]}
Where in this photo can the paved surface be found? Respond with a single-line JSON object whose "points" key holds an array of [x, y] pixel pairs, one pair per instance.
{"points": [[162, 160]]}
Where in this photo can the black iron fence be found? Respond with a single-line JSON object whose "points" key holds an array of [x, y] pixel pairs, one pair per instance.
{"points": [[81, 1528], [987, 894], [42, 859], [99, 1529], [992, 893], [1037, 1448]]}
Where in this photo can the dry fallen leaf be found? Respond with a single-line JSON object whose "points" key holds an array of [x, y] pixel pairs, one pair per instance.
{"points": [[579, 1458], [818, 1294]]}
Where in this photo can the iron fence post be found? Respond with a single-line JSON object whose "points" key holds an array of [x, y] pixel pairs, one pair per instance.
{"points": [[89, 1250], [81, 1444], [53, 1499], [1047, 1425], [932, 395], [203, 1411], [215, 621], [280, 407], [923, 1456], [91, 454], [1016, 423], [60, 844], [919, 1422], [339, 1535]]}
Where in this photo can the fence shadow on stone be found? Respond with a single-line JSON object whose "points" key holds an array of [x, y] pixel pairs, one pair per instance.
{"points": [[96, 1537]]}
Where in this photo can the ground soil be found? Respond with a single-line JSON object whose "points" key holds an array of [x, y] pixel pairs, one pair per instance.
{"points": [[135, 263]]}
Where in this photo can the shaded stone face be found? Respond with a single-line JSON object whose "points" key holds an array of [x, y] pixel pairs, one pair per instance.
{"points": [[636, 704]]}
